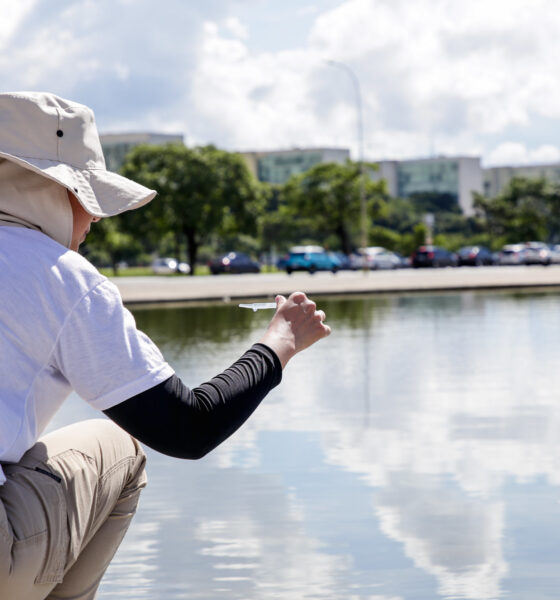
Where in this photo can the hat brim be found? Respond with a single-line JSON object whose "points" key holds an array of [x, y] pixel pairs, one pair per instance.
{"points": [[102, 193]]}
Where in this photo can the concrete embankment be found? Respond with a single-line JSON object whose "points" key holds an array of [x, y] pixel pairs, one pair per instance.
{"points": [[155, 290]]}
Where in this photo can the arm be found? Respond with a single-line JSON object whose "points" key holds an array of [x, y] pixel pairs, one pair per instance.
{"points": [[184, 423], [190, 423]]}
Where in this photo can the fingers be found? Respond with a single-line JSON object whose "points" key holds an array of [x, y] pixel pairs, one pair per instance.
{"points": [[279, 301], [319, 317], [301, 299], [297, 297], [309, 309]]}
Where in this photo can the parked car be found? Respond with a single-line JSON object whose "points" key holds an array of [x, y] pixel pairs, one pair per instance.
{"points": [[356, 261], [555, 254], [475, 256], [433, 256], [403, 260], [511, 254], [311, 259], [345, 261], [537, 253], [233, 262], [377, 257], [166, 266]]}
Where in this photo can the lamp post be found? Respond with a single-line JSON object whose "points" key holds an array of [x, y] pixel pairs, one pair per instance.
{"points": [[360, 123]]}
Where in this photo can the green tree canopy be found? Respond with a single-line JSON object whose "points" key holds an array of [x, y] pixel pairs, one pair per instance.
{"points": [[202, 192], [527, 209], [434, 202], [108, 243], [327, 196]]}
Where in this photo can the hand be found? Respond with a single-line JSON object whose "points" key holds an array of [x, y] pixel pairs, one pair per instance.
{"points": [[296, 325]]}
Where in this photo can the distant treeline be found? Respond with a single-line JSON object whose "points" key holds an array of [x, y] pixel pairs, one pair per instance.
{"points": [[209, 202]]}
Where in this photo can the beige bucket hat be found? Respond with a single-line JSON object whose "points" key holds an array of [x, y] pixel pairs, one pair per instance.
{"points": [[58, 139]]}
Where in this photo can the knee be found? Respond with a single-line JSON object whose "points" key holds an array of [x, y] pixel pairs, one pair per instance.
{"points": [[116, 445], [133, 454]]}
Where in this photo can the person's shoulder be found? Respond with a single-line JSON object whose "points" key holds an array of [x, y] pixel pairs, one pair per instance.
{"points": [[73, 264], [47, 260], [74, 269]]}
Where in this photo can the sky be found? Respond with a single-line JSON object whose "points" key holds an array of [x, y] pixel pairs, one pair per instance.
{"points": [[434, 77]]}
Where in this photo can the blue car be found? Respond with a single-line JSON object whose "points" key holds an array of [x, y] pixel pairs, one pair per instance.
{"points": [[311, 259]]}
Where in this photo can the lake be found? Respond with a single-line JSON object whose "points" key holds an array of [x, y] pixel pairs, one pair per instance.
{"points": [[414, 454]]}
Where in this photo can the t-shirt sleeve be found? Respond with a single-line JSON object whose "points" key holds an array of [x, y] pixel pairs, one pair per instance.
{"points": [[102, 354]]}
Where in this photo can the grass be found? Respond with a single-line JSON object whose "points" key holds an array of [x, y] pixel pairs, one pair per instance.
{"points": [[147, 272], [200, 270]]}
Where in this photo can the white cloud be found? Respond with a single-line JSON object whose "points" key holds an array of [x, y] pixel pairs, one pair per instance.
{"points": [[429, 69], [516, 153], [464, 74], [236, 27], [12, 14]]}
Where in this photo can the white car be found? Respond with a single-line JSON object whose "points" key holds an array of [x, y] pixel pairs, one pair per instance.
{"points": [[537, 253], [512, 254], [166, 266], [555, 254], [378, 257]]}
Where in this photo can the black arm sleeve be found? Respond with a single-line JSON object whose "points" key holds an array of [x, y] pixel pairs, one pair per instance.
{"points": [[184, 423]]}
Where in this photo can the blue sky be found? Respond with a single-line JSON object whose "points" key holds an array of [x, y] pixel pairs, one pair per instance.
{"points": [[436, 76]]}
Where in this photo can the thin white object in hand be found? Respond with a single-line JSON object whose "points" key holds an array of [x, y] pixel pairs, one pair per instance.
{"points": [[259, 305]]}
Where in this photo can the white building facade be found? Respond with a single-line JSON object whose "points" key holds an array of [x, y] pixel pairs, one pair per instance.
{"points": [[458, 176], [277, 166], [496, 178]]}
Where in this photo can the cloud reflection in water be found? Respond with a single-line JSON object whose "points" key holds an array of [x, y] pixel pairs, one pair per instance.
{"points": [[404, 457]]}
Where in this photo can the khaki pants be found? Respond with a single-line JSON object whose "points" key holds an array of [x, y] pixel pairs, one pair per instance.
{"points": [[64, 510]]}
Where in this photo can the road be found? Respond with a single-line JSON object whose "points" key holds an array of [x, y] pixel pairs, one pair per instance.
{"points": [[158, 289]]}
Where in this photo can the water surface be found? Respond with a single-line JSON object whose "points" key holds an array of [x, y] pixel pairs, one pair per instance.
{"points": [[412, 455]]}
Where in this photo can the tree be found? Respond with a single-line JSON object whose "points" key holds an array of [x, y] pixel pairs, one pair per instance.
{"points": [[108, 243], [527, 209], [434, 202], [202, 192], [328, 196]]}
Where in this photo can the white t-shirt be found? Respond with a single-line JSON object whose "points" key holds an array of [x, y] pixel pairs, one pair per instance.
{"points": [[63, 327]]}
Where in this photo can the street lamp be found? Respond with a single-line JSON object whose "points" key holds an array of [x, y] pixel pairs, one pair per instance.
{"points": [[360, 123]]}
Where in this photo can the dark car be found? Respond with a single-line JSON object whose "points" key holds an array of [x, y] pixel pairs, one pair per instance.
{"points": [[433, 256], [233, 262], [475, 256], [345, 261]]}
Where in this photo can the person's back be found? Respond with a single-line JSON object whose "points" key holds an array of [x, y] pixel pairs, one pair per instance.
{"points": [[41, 282]]}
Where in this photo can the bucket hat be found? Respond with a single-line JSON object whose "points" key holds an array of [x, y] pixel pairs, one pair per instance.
{"points": [[58, 139]]}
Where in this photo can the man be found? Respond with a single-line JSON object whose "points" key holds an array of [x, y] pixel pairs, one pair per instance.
{"points": [[67, 498]]}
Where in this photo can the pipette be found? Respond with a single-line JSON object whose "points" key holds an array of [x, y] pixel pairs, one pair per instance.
{"points": [[259, 305]]}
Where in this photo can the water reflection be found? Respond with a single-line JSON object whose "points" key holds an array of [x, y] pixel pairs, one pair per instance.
{"points": [[412, 455]]}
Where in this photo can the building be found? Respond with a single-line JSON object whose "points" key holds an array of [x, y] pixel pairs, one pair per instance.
{"points": [[458, 176], [496, 178], [117, 145], [277, 166]]}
